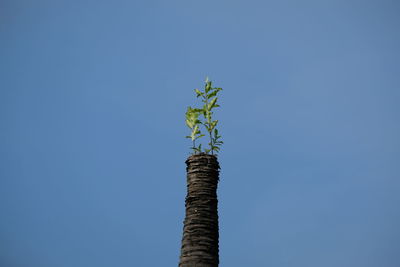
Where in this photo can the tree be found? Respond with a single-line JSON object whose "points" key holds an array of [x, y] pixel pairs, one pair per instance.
{"points": [[200, 241]]}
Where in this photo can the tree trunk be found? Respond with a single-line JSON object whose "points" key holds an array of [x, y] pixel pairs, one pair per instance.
{"points": [[200, 230]]}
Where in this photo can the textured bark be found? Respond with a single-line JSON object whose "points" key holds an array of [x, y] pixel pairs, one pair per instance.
{"points": [[200, 231]]}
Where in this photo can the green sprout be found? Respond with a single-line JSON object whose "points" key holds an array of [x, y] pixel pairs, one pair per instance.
{"points": [[209, 99]]}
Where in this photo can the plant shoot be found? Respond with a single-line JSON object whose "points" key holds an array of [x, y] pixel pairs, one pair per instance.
{"points": [[209, 100]]}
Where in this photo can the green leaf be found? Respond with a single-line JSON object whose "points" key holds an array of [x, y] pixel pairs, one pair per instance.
{"points": [[197, 137], [213, 93], [213, 124], [192, 116], [189, 123], [199, 148], [198, 92], [212, 103], [208, 87], [198, 110]]}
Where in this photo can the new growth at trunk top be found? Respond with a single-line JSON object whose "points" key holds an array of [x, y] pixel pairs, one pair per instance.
{"points": [[209, 98]]}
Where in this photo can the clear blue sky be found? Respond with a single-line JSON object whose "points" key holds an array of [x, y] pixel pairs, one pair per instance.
{"points": [[92, 147]]}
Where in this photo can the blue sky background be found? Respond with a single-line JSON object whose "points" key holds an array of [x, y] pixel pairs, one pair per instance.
{"points": [[92, 147]]}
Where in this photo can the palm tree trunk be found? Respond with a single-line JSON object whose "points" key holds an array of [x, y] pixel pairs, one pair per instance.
{"points": [[200, 231]]}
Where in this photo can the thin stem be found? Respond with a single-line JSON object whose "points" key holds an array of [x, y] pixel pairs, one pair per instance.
{"points": [[208, 114], [211, 143]]}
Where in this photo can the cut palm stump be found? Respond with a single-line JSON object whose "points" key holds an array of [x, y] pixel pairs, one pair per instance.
{"points": [[200, 231]]}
